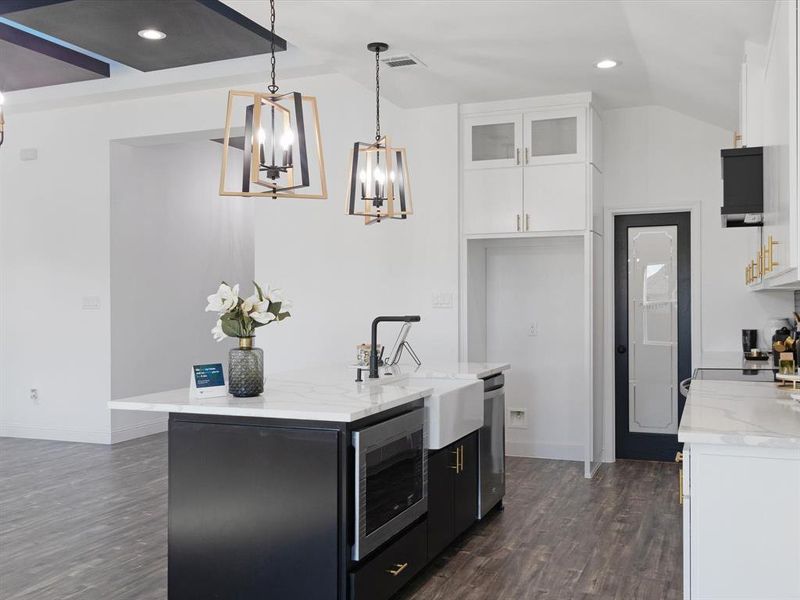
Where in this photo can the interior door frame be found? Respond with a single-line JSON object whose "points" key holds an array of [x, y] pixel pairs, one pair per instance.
{"points": [[609, 387]]}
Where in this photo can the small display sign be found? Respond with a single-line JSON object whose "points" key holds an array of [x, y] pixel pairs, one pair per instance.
{"points": [[209, 375], [207, 381]]}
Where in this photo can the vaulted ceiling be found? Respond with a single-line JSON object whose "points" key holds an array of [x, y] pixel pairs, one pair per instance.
{"points": [[683, 54]]}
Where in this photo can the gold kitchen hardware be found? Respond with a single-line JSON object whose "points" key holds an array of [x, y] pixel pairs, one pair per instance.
{"points": [[770, 261], [398, 568], [760, 263], [458, 462], [679, 460], [518, 223], [461, 464], [527, 222]]}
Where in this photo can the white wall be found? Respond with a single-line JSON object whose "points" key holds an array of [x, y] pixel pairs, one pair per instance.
{"points": [[338, 272], [173, 239], [659, 159], [55, 248]]}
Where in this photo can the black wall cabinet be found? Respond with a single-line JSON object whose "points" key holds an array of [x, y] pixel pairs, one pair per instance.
{"points": [[452, 492]]}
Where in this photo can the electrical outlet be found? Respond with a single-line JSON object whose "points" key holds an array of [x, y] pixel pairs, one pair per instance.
{"points": [[517, 418], [533, 329], [34, 395]]}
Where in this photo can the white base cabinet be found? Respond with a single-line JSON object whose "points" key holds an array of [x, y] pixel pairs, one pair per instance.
{"points": [[741, 523]]}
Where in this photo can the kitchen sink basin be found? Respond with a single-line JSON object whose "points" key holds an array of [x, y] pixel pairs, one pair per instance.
{"points": [[453, 410]]}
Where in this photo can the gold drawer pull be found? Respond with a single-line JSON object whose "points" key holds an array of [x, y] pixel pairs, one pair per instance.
{"points": [[679, 459], [399, 568]]}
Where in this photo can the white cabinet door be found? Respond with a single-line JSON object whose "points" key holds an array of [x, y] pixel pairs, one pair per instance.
{"points": [[492, 201], [555, 136], [777, 138], [492, 141], [555, 197]]}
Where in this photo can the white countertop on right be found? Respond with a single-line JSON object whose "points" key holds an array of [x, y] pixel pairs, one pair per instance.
{"points": [[737, 413]]}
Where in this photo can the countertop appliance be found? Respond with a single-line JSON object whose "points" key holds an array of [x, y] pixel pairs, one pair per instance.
{"points": [[762, 372], [391, 479], [491, 446], [742, 187]]}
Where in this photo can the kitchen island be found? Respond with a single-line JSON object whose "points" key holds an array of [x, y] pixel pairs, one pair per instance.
{"points": [[741, 491], [319, 488]]}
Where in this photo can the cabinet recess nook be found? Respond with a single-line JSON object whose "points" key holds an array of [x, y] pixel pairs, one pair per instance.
{"points": [[531, 222]]}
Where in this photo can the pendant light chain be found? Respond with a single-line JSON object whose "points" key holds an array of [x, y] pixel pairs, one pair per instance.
{"points": [[377, 95], [272, 87]]}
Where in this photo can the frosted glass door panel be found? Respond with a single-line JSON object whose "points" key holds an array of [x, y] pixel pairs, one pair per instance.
{"points": [[550, 137], [653, 329], [493, 141], [555, 136]]}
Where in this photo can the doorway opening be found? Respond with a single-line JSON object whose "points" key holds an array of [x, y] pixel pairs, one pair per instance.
{"points": [[652, 329]]}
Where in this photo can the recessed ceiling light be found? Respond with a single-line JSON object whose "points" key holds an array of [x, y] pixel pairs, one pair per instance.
{"points": [[152, 34], [606, 64]]}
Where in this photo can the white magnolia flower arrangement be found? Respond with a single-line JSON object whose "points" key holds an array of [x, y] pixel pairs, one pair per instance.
{"points": [[240, 317]]}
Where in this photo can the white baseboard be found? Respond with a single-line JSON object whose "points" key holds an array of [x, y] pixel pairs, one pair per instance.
{"points": [[543, 450], [60, 434], [129, 432]]}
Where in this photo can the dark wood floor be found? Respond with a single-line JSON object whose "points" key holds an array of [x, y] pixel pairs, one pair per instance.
{"points": [[89, 522]]}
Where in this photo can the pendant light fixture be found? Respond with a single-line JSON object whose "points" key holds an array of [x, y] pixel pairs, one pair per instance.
{"points": [[272, 146], [378, 187]]}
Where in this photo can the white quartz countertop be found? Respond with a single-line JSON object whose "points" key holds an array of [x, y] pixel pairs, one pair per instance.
{"points": [[316, 394], [737, 413], [288, 397]]}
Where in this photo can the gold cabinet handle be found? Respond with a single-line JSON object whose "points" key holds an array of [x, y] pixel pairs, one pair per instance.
{"points": [[517, 155], [398, 568], [526, 156], [518, 222], [461, 460], [527, 222], [770, 262], [458, 463], [747, 275], [679, 460], [760, 264]]}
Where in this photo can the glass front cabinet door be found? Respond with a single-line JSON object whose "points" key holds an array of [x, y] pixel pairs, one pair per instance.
{"points": [[492, 141], [554, 136]]}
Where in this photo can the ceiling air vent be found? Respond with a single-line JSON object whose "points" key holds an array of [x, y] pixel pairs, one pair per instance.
{"points": [[406, 60]]}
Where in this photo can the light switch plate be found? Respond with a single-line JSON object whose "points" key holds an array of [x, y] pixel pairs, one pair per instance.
{"points": [[442, 300], [91, 303], [28, 154]]}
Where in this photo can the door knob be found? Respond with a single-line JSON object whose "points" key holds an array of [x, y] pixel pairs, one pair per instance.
{"points": [[621, 349]]}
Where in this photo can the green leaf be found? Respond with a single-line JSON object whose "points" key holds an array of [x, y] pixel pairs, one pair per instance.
{"points": [[232, 325], [274, 308], [261, 295], [284, 315]]}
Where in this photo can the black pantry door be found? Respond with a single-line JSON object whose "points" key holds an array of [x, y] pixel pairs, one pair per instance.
{"points": [[652, 293]]}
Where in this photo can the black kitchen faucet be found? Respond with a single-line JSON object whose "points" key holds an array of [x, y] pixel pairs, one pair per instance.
{"points": [[373, 351]]}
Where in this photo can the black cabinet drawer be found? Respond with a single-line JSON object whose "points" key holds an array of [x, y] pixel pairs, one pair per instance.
{"points": [[389, 570]]}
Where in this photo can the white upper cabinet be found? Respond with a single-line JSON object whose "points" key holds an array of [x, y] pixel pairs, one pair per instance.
{"points": [[779, 118], [555, 136], [492, 141], [492, 201], [527, 167], [555, 197]]}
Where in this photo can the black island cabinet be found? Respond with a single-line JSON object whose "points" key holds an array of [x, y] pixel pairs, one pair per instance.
{"points": [[264, 509]]}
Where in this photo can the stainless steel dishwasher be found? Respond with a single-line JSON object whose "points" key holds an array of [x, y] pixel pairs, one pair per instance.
{"points": [[491, 446]]}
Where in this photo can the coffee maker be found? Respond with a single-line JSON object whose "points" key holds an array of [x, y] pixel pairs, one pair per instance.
{"points": [[749, 340]]}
